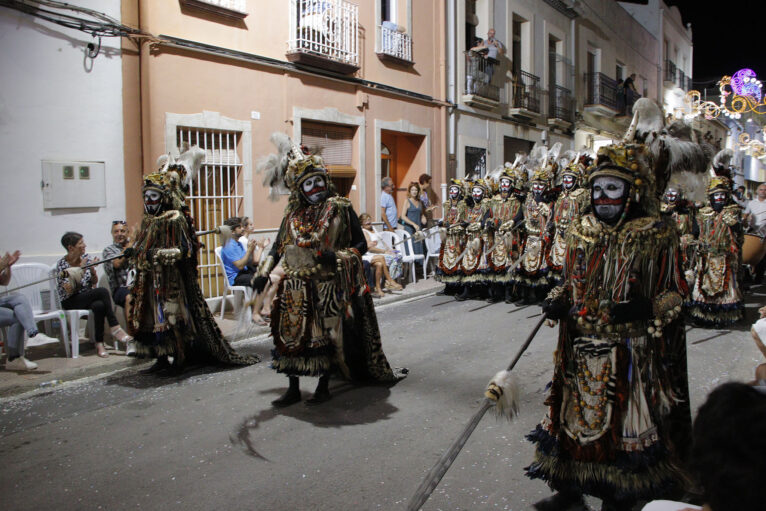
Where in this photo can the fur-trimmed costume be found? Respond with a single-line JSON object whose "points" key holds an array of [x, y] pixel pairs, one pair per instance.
{"points": [[453, 242], [618, 408], [323, 319], [169, 316]]}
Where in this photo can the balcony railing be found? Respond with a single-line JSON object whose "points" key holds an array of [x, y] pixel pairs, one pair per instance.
{"points": [[602, 90], [478, 76], [560, 104], [394, 43], [670, 71], [323, 33], [526, 92], [627, 98]]}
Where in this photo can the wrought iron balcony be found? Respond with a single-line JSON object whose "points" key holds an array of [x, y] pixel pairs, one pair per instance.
{"points": [[602, 95], [324, 34], [525, 98], [394, 45], [479, 90], [670, 73], [560, 112]]}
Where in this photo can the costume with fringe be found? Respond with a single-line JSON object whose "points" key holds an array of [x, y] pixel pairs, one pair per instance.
{"points": [[322, 319], [453, 242], [169, 315], [568, 207], [716, 300], [474, 267], [618, 416], [533, 271]]}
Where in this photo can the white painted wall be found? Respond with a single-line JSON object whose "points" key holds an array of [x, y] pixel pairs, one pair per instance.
{"points": [[56, 104]]}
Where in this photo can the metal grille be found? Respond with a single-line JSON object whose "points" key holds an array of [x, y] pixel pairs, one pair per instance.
{"points": [[526, 92], [328, 28], [602, 90], [478, 76], [560, 106], [395, 43], [215, 195]]}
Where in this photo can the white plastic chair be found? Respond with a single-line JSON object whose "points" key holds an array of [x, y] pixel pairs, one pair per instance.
{"points": [[433, 246], [73, 317], [24, 273], [409, 256], [228, 288]]}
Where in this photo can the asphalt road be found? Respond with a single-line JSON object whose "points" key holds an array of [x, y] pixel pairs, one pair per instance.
{"points": [[211, 440]]}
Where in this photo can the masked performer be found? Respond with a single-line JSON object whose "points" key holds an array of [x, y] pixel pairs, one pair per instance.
{"points": [[473, 265], [674, 205], [504, 205], [453, 240], [322, 319], [569, 205], [531, 276], [166, 311], [618, 401], [716, 300]]}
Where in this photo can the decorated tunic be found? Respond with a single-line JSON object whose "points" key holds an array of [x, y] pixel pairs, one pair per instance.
{"points": [[323, 318], [453, 242], [169, 315], [505, 251], [618, 416], [686, 224], [568, 207], [533, 268], [716, 300], [474, 264]]}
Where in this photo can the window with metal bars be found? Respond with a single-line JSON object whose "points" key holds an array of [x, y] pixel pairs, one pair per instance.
{"points": [[216, 194]]}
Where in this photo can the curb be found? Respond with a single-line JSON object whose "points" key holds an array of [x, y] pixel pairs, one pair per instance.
{"points": [[121, 363]]}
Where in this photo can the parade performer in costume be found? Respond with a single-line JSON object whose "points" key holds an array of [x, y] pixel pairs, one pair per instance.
{"points": [[618, 402], [716, 300], [676, 206], [453, 240], [473, 265], [504, 206], [569, 205], [531, 276], [166, 311], [322, 319]]}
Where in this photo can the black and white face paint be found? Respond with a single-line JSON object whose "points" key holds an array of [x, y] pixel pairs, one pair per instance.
{"points": [[454, 192], [671, 196], [314, 189], [568, 181], [608, 195], [477, 192], [718, 200], [538, 189], [152, 201], [505, 185]]}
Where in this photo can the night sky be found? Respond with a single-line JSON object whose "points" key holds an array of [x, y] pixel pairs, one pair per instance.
{"points": [[726, 38]]}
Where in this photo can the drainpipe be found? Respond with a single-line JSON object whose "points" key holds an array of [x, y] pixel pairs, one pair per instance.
{"points": [[573, 53], [660, 58], [451, 79]]}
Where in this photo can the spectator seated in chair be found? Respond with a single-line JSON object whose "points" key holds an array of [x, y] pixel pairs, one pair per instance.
{"points": [[385, 262], [117, 269], [16, 313], [241, 263], [77, 290]]}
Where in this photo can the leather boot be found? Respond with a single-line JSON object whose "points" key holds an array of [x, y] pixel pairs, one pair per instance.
{"points": [[293, 394], [322, 392]]}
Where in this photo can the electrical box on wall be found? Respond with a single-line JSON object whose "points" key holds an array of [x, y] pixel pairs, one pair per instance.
{"points": [[73, 184]]}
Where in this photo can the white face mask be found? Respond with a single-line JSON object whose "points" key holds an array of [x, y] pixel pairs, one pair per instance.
{"points": [[152, 201], [314, 189], [477, 193], [608, 195], [671, 196], [454, 192], [505, 185], [568, 181]]}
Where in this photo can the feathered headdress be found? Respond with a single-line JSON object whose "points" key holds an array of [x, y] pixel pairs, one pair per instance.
{"points": [[284, 171], [673, 148], [175, 175], [721, 172]]}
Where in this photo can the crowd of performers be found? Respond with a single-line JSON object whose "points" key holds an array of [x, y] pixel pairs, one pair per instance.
{"points": [[504, 237]]}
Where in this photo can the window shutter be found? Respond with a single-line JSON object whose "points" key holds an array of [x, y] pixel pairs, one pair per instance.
{"points": [[333, 141]]}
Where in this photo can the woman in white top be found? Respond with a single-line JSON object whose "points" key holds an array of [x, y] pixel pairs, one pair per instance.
{"points": [[384, 261]]}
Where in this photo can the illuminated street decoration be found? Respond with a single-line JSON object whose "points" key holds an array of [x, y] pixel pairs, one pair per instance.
{"points": [[740, 94], [754, 148]]}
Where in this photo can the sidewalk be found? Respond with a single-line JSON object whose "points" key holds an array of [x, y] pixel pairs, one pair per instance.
{"points": [[54, 368]]}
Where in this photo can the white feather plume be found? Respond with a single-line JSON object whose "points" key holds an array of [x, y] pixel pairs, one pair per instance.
{"points": [[274, 166], [164, 161], [191, 160], [554, 151], [723, 158], [504, 390]]}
